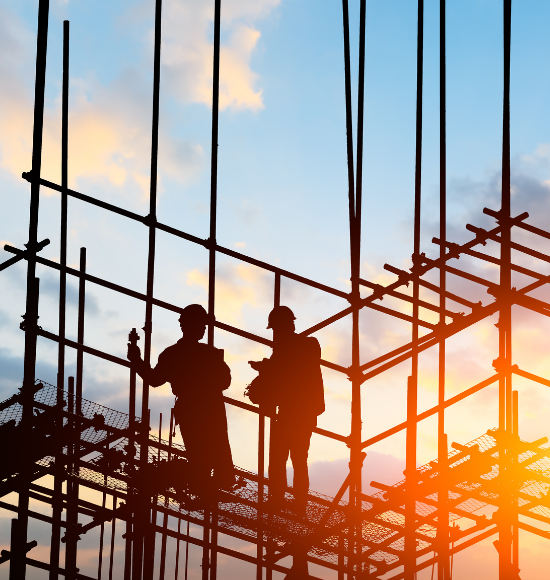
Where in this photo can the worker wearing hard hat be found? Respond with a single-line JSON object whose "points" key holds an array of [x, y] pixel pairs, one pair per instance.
{"points": [[198, 376], [293, 374]]}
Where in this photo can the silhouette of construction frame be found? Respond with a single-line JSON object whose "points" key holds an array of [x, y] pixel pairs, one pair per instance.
{"points": [[352, 563]]}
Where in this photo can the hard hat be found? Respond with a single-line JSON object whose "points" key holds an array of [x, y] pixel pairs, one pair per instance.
{"points": [[194, 313], [279, 313]]}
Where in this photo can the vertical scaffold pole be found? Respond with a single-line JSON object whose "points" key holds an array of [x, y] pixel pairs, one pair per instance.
{"points": [[214, 175], [412, 386], [80, 328], [72, 486], [113, 536], [355, 284], [505, 322], [133, 337], [102, 527], [17, 562], [515, 516], [356, 462], [267, 411], [57, 505], [144, 517], [72, 509], [261, 470], [210, 523], [166, 503], [443, 517]]}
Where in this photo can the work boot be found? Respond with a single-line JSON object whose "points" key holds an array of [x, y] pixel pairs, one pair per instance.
{"points": [[275, 503]]}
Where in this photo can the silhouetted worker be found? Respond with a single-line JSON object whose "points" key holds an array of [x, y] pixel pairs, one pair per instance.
{"points": [[198, 376], [295, 385]]}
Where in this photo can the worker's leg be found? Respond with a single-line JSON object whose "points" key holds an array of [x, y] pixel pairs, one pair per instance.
{"points": [[216, 444], [224, 471], [299, 450], [195, 442], [278, 456]]}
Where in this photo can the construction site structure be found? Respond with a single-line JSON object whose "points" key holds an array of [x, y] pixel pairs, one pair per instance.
{"points": [[50, 433]]}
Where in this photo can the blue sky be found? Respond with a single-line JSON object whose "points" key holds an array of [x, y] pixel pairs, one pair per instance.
{"points": [[282, 179]]}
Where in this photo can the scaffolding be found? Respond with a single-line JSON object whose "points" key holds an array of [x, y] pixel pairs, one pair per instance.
{"points": [[141, 478]]}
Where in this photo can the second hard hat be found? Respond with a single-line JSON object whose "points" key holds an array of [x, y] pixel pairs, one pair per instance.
{"points": [[194, 313], [279, 313]]}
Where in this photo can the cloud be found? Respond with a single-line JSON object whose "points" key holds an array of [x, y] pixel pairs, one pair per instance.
{"points": [[109, 126], [187, 52], [109, 137], [239, 287], [237, 80], [11, 378], [15, 114], [50, 286]]}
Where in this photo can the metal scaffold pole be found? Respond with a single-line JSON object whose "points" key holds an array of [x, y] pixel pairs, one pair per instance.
{"points": [[145, 512], [442, 494], [57, 507], [209, 558], [356, 463], [412, 384], [73, 488], [30, 325], [506, 539], [355, 426]]}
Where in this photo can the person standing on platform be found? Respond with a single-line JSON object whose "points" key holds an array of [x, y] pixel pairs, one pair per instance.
{"points": [[292, 381], [198, 376]]}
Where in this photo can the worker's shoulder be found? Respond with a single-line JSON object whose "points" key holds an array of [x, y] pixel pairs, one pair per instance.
{"points": [[171, 350], [309, 343], [209, 350], [197, 349]]}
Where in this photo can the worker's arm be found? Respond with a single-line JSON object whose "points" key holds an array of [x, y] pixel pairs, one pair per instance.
{"points": [[221, 372], [314, 350], [224, 376], [155, 377]]}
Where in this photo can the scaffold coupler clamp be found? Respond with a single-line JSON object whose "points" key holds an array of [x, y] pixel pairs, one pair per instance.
{"points": [[404, 277], [149, 220], [480, 234], [30, 323], [29, 389], [454, 250], [419, 262]]}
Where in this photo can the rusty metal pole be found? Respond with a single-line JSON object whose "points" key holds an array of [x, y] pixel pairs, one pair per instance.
{"points": [[57, 504], [17, 562], [164, 538], [515, 514], [443, 518], [505, 321], [210, 519], [72, 497], [76, 410], [133, 337], [151, 221], [352, 219], [356, 462], [412, 386]]}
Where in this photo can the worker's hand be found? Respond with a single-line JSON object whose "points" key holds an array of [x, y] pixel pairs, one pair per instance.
{"points": [[257, 365], [134, 354]]}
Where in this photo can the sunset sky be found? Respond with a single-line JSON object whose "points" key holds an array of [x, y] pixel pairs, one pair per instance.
{"points": [[282, 195]]}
